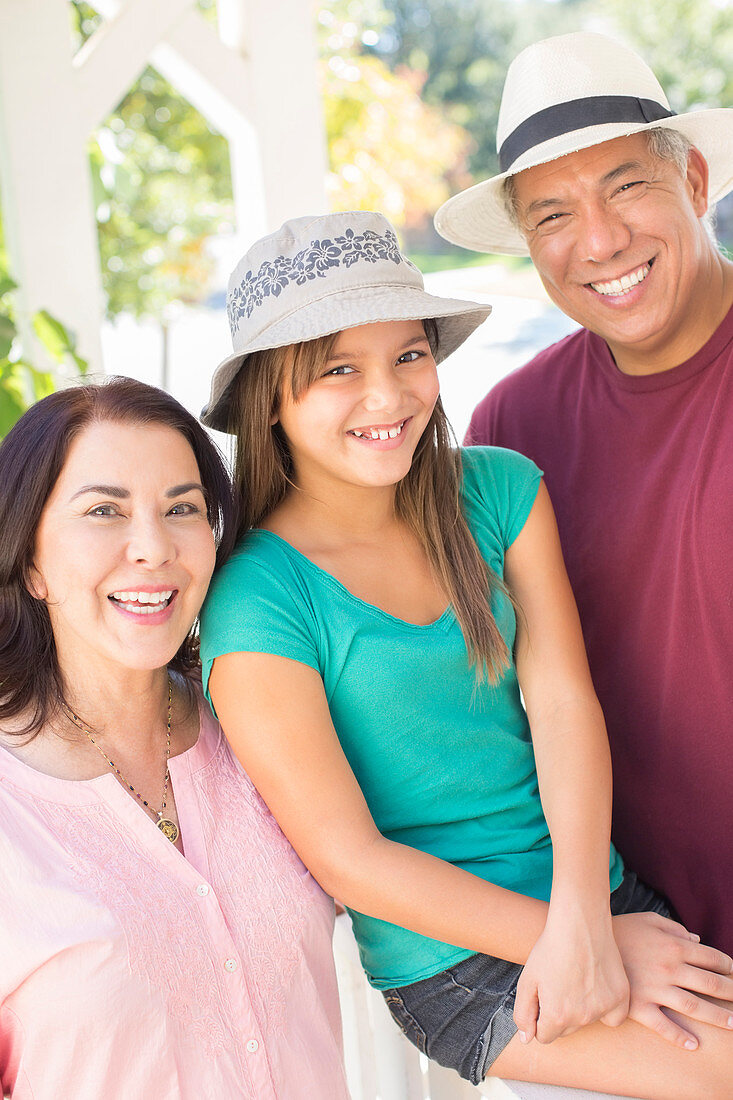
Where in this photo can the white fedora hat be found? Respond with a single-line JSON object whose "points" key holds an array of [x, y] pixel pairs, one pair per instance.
{"points": [[321, 275], [564, 94]]}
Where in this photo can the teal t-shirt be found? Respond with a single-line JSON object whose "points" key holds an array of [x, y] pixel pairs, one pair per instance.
{"points": [[445, 766]]}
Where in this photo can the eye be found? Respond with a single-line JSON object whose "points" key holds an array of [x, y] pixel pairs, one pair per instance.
{"points": [[342, 369], [626, 187], [103, 510], [184, 508], [411, 356], [550, 220]]}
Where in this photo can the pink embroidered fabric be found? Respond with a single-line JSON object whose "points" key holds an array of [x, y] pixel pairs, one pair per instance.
{"points": [[128, 970]]}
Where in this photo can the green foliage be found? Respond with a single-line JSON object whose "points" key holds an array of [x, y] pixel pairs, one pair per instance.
{"points": [[389, 150], [163, 185], [21, 383]]}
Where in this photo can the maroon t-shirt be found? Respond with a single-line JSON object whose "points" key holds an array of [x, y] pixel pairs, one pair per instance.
{"points": [[640, 471]]}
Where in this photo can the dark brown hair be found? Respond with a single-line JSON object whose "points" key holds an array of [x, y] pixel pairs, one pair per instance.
{"points": [[32, 457], [428, 499]]}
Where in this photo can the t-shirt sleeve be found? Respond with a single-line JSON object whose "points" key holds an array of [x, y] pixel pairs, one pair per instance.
{"points": [[255, 607], [480, 428], [503, 485]]}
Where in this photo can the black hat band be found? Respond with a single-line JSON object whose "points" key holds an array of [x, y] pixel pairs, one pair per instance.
{"points": [[563, 118]]}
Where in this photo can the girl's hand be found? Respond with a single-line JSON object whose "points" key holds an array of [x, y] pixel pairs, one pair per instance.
{"points": [[668, 968], [573, 976]]}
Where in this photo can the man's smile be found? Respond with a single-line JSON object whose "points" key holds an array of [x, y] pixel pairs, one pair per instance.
{"points": [[624, 283]]}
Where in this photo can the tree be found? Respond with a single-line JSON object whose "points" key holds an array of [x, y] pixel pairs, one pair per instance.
{"points": [[388, 149]]}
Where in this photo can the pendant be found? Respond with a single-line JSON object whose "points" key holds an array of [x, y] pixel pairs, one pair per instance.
{"points": [[168, 829]]}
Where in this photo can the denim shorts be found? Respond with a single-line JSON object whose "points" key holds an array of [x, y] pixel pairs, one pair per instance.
{"points": [[464, 1016]]}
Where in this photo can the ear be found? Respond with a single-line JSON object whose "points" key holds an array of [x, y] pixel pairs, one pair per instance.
{"points": [[35, 584], [697, 181]]}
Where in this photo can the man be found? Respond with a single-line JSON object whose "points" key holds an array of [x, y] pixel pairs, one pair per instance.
{"points": [[631, 418]]}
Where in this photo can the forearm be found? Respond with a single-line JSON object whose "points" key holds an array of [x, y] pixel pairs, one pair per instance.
{"points": [[574, 774], [418, 891]]}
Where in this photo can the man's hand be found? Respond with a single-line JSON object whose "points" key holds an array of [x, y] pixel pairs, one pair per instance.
{"points": [[668, 968], [574, 975]]}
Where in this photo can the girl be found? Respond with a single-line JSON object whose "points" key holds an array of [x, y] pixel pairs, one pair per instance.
{"points": [[388, 599]]}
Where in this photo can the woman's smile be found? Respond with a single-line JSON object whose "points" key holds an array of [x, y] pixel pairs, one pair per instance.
{"points": [[145, 603]]}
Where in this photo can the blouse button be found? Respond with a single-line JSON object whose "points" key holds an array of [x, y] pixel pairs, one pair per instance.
{"points": [[202, 890], [252, 1046], [231, 965]]}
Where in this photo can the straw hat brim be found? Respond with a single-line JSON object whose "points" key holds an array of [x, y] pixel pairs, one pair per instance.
{"points": [[343, 309], [478, 219]]}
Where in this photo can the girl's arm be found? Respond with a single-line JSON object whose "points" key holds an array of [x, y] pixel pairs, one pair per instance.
{"points": [[276, 717], [576, 961]]}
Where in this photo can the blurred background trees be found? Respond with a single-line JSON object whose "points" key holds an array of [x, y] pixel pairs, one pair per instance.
{"points": [[411, 92]]}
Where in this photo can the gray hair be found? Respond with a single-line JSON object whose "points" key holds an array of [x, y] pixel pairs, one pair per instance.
{"points": [[664, 144]]}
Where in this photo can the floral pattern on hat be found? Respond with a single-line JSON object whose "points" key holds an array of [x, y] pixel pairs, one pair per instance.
{"points": [[313, 262]]}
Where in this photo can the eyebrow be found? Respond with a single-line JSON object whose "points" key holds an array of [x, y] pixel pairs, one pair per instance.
{"points": [[123, 494], [416, 339], [179, 490], [622, 170], [103, 491]]}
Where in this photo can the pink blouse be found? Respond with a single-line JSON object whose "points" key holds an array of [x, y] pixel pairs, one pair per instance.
{"points": [[128, 970]]}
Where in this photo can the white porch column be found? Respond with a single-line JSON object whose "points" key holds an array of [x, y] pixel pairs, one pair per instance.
{"points": [[48, 213], [283, 159]]}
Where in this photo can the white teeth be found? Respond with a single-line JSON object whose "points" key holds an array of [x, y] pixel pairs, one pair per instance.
{"points": [[142, 602], [379, 433], [624, 284]]}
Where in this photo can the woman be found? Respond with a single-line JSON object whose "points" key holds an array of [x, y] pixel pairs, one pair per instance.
{"points": [[366, 615], [159, 936]]}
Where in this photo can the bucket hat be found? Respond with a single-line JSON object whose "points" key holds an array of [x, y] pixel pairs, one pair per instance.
{"points": [[564, 94], [320, 275]]}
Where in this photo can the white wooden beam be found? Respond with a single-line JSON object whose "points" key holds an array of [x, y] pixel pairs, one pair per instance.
{"points": [[211, 76], [112, 59], [284, 169]]}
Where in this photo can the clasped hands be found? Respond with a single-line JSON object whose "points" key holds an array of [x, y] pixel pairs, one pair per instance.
{"points": [[588, 967]]}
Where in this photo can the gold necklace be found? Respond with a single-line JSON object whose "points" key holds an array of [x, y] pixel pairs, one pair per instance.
{"points": [[167, 827]]}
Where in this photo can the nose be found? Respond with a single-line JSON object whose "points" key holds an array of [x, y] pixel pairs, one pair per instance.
{"points": [[602, 233], [384, 391], [150, 542]]}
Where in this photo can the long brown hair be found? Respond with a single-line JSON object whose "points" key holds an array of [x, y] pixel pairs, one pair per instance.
{"points": [[32, 456], [428, 499]]}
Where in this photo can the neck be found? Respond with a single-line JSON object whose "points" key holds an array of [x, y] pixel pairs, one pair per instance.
{"points": [[356, 514], [132, 701], [706, 313]]}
